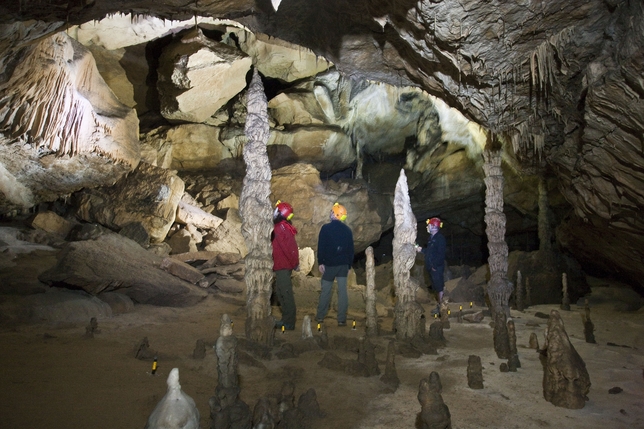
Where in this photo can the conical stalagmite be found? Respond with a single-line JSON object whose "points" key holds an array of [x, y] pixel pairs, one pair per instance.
{"points": [[175, 410], [589, 326], [520, 292], [534, 341], [565, 378], [513, 360], [565, 300]]}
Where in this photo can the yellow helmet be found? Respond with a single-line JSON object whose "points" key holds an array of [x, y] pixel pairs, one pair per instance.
{"points": [[339, 211]]}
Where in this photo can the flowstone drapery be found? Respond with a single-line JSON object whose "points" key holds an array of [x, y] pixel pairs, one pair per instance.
{"points": [[498, 288], [255, 211], [407, 311]]}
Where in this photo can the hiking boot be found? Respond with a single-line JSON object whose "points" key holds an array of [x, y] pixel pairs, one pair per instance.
{"points": [[287, 327], [436, 310], [342, 323]]}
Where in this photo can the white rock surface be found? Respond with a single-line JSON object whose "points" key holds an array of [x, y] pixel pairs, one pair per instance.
{"points": [[176, 410]]}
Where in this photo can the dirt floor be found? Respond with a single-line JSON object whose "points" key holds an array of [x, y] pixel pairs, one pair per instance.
{"points": [[53, 377]]}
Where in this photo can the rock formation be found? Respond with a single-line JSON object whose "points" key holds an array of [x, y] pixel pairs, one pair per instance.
{"points": [[407, 310], [474, 372], [227, 410], [498, 288], [255, 209], [434, 414], [370, 296], [566, 382], [175, 410]]}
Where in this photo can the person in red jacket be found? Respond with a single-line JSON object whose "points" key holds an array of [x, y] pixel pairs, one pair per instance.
{"points": [[286, 258]]}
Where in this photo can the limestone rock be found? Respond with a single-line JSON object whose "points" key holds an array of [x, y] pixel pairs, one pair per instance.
{"points": [[307, 260], [227, 238], [191, 215], [75, 132], [50, 222], [182, 270], [111, 262], [148, 195], [187, 147], [231, 201], [198, 75], [279, 59], [300, 185], [182, 242]]}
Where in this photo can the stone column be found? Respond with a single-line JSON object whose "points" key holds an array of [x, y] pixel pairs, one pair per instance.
{"points": [[498, 288], [407, 321], [256, 213], [370, 304]]}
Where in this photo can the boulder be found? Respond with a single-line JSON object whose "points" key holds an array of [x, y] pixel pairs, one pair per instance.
{"points": [[197, 76], [50, 222], [112, 262], [148, 195], [190, 214], [182, 270], [227, 238], [182, 242]]}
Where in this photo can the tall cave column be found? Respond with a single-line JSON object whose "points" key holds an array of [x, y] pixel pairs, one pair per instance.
{"points": [[498, 288], [255, 210], [370, 301], [543, 220], [407, 310]]}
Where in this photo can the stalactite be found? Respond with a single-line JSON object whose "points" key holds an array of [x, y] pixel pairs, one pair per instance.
{"points": [[255, 210], [407, 310]]}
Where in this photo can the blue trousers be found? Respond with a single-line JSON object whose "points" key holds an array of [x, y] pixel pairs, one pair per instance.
{"points": [[339, 272]]}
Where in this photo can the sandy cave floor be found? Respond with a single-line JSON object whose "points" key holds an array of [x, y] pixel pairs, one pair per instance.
{"points": [[54, 377]]}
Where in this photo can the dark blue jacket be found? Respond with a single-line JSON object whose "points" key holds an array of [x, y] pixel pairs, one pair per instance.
{"points": [[335, 244], [435, 252]]}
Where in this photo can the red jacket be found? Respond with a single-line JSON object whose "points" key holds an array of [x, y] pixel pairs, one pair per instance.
{"points": [[285, 253]]}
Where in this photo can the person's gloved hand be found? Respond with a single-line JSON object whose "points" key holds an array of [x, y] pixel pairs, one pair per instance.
{"points": [[297, 268]]}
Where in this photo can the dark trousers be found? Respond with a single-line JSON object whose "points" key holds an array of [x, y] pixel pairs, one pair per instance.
{"points": [[284, 292]]}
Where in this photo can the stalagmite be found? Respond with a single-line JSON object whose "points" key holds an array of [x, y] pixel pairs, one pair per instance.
{"points": [[226, 409], [307, 332], [528, 293], [407, 310], [474, 372], [513, 360], [565, 378], [255, 210], [565, 300], [370, 300], [434, 413], [520, 292], [175, 410], [534, 341], [589, 327], [498, 288], [390, 377], [367, 357], [444, 314]]}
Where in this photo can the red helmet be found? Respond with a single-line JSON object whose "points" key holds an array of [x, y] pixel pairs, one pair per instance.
{"points": [[284, 209], [435, 221]]}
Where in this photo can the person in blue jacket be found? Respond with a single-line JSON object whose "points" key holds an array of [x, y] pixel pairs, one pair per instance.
{"points": [[335, 256], [435, 257]]}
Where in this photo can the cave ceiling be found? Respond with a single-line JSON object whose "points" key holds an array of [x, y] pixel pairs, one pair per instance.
{"points": [[558, 83]]}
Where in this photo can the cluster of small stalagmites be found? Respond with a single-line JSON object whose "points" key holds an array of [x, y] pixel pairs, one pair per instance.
{"points": [[434, 413], [176, 410], [366, 365], [565, 378], [280, 410]]}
